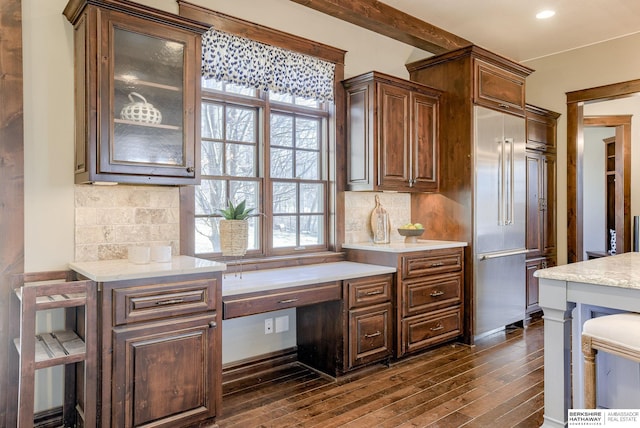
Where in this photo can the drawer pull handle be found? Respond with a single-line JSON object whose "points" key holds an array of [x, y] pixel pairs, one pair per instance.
{"points": [[169, 302], [213, 324], [369, 336], [438, 264], [373, 293], [437, 293], [288, 301], [436, 328]]}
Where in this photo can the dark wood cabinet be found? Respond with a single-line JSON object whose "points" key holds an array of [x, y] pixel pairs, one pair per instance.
{"points": [[160, 351], [137, 93], [392, 134], [496, 87], [370, 314], [541, 203], [428, 295], [472, 78], [541, 198], [541, 128], [163, 373], [533, 289]]}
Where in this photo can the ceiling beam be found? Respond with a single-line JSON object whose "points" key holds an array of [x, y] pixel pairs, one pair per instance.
{"points": [[386, 20]]}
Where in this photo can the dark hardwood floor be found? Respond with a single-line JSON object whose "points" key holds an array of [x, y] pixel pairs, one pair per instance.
{"points": [[498, 383]]}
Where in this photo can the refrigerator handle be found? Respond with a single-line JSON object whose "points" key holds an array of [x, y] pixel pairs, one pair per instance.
{"points": [[501, 184], [510, 204]]}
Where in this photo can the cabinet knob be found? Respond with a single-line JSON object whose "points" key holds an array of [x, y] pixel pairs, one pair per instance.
{"points": [[190, 169], [213, 324], [504, 106]]}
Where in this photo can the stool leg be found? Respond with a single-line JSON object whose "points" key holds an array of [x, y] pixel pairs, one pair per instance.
{"points": [[589, 373]]}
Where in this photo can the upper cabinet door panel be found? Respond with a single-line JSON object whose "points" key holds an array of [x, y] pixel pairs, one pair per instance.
{"points": [[498, 88], [424, 156], [393, 129]]}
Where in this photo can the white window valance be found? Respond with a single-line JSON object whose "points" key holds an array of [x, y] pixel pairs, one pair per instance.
{"points": [[243, 61]]}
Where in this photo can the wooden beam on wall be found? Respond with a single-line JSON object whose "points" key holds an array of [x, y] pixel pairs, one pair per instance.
{"points": [[386, 20], [11, 182]]}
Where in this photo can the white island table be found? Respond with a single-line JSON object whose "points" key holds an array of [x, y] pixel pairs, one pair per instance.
{"points": [[611, 282]]}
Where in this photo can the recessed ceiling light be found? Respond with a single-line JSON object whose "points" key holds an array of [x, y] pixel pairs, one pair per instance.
{"points": [[545, 14]]}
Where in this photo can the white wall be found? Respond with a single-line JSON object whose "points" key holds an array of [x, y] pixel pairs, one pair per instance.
{"points": [[602, 64]]}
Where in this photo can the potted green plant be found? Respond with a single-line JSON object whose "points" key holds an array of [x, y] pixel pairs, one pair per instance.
{"points": [[234, 229]]}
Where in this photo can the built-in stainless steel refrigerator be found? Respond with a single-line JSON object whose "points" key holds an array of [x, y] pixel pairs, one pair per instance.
{"points": [[499, 216]]}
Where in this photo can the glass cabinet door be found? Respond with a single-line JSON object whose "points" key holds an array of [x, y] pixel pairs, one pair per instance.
{"points": [[147, 104], [137, 93], [148, 92]]}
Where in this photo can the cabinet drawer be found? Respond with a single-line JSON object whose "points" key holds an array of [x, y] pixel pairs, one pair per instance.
{"points": [[368, 291], [429, 293], [255, 303], [370, 334], [148, 302], [422, 331], [498, 88], [432, 262]]}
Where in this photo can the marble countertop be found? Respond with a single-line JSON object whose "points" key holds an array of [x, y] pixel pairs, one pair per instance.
{"points": [[622, 270], [118, 270], [270, 279], [402, 247]]}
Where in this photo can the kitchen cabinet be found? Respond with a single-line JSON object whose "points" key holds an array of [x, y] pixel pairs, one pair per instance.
{"points": [[370, 315], [159, 341], [428, 295], [541, 203], [541, 198], [392, 134], [533, 288], [344, 311], [498, 88], [474, 81], [137, 93], [161, 351]]}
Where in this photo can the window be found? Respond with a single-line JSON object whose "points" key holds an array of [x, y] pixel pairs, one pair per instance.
{"points": [[270, 149]]}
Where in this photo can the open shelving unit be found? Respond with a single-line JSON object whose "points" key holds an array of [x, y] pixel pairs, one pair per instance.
{"points": [[75, 347]]}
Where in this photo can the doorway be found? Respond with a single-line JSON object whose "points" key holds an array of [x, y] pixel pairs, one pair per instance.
{"points": [[576, 101], [616, 198]]}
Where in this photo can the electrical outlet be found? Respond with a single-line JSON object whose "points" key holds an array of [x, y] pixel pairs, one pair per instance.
{"points": [[268, 326], [282, 324]]}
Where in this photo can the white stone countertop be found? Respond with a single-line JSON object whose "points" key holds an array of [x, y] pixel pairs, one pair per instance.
{"points": [[118, 270], [622, 270], [270, 279], [402, 247]]}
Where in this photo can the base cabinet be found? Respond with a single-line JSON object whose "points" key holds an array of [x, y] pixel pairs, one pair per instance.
{"points": [[163, 374], [370, 330], [160, 359], [428, 295], [533, 289]]}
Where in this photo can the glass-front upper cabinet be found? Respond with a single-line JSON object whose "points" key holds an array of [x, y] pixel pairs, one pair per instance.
{"points": [[137, 93]]}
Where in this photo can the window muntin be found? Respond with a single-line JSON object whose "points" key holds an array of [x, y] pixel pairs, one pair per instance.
{"points": [[271, 150]]}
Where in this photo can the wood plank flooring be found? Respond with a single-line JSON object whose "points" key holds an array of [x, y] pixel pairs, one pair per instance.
{"points": [[498, 383]]}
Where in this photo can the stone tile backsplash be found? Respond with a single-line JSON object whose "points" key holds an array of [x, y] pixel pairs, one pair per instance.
{"points": [[110, 218], [359, 206]]}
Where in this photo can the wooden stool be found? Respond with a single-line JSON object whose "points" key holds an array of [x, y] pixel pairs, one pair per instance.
{"points": [[616, 334], [34, 292]]}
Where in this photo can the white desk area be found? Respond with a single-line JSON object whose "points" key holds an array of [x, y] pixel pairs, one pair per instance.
{"points": [[608, 282]]}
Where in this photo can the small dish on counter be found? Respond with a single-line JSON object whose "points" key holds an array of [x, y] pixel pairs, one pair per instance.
{"points": [[411, 235]]}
